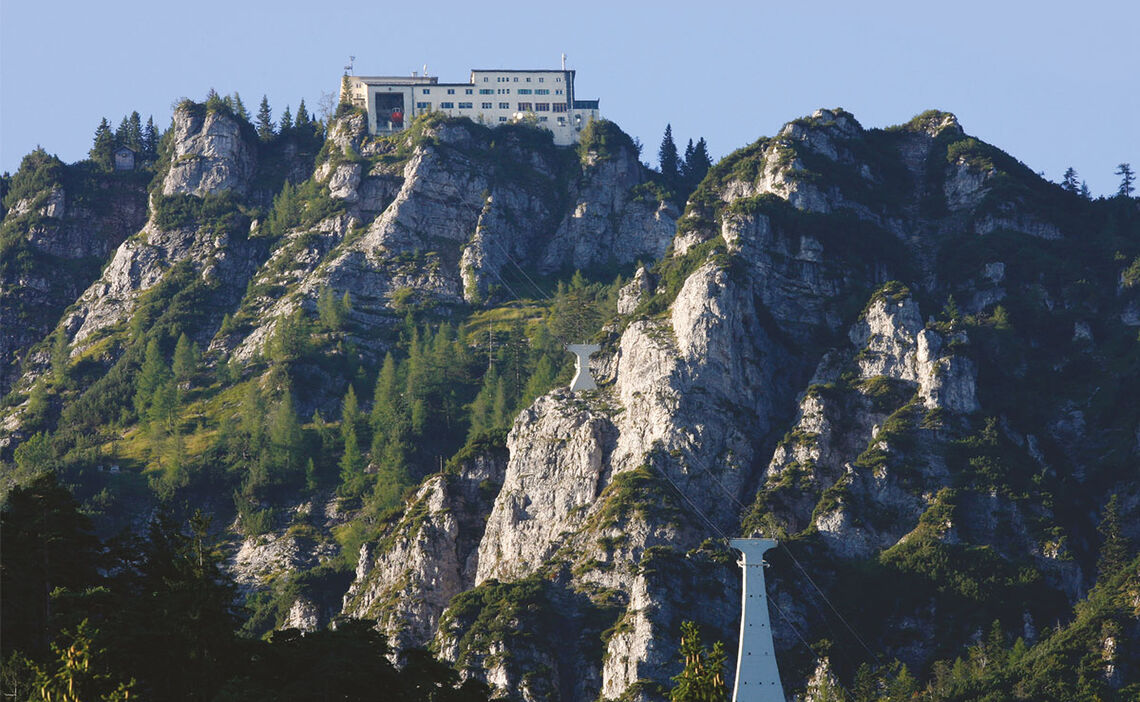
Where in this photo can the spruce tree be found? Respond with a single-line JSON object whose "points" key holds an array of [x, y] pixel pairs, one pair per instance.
{"points": [[134, 131], [153, 374], [264, 120], [697, 164], [667, 158], [302, 120], [1114, 550], [121, 133], [1127, 178], [150, 138], [286, 121], [186, 359], [239, 107], [702, 679], [102, 150], [1069, 180]]}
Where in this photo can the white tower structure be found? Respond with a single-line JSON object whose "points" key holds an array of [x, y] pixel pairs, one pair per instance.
{"points": [[582, 378], [757, 677]]}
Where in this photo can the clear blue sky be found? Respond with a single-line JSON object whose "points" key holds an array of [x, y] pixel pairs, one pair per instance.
{"points": [[1053, 83]]}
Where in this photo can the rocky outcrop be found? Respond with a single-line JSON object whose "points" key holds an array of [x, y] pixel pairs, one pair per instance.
{"points": [[429, 556], [210, 154], [66, 231]]}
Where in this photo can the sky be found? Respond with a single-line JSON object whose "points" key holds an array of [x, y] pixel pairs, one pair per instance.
{"points": [[1055, 84]]}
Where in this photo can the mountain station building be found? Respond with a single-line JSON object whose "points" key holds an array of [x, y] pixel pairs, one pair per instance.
{"points": [[491, 97]]}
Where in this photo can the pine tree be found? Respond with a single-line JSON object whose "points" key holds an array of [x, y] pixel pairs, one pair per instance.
{"points": [[150, 138], [239, 107], [134, 131], [702, 679], [352, 477], [186, 359], [60, 356], [153, 374], [102, 150], [699, 162], [264, 120], [285, 438], [286, 121], [1069, 180], [667, 158], [1127, 178], [1114, 550], [121, 133]]}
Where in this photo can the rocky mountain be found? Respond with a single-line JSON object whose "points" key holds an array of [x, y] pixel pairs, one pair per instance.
{"points": [[900, 352]]}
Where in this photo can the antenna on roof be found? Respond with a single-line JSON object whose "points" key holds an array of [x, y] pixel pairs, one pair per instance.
{"points": [[564, 60], [351, 62]]}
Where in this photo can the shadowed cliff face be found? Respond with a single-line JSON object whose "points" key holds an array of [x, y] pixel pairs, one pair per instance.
{"points": [[898, 351]]}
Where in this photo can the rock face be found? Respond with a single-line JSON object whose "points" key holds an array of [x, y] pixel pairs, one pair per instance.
{"points": [[63, 232], [210, 155]]}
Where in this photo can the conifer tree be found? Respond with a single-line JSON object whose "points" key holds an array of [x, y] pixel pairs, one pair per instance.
{"points": [[286, 121], [239, 107], [302, 120], [150, 138], [186, 359], [121, 132], [134, 131], [667, 157], [101, 151], [285, 437], [352, 478], [697, 163], [1069, 180], [349, 411], [1114, 550], [153, 374], [60, 356], [1127, 178], [1085, 193], [264, 120], [702, 679]]}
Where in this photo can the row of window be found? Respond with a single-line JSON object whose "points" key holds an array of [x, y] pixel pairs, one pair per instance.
{"points": [[501, 91], [508, 79], [523, 107]]}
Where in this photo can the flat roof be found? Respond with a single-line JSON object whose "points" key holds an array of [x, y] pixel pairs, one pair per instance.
{"points": [[521, 70], [399, 80]]}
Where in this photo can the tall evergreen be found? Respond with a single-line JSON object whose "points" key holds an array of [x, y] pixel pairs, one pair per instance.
{"points": [[239, 107], [1127, 178], [102, 150], [150, 138], [1069, 180], [302, 119], [134, 131], [153, 375], [286, 121], [697, 163], [264, 120], [667, 157]]}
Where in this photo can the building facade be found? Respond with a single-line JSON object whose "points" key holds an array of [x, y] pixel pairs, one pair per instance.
{"points": [[490, 97]]}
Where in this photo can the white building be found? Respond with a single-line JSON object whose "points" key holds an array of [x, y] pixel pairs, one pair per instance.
{"points": [[491, 97]]}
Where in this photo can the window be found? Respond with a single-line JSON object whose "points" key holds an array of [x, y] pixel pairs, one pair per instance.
{"points": [[561, 121], [486, 105], [485, 79], [540, 79], [486, 91], [502, 119], [446, 105], [558, 80], [528, 80], [542, 91], [467, 91], [543, 118], [557, 92], [524, 91], [423, 105], [525, 107], [465, 106], [427, 91], [504, 105], [559, 107], [542, 107], [516, 79], [451, 91]]}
